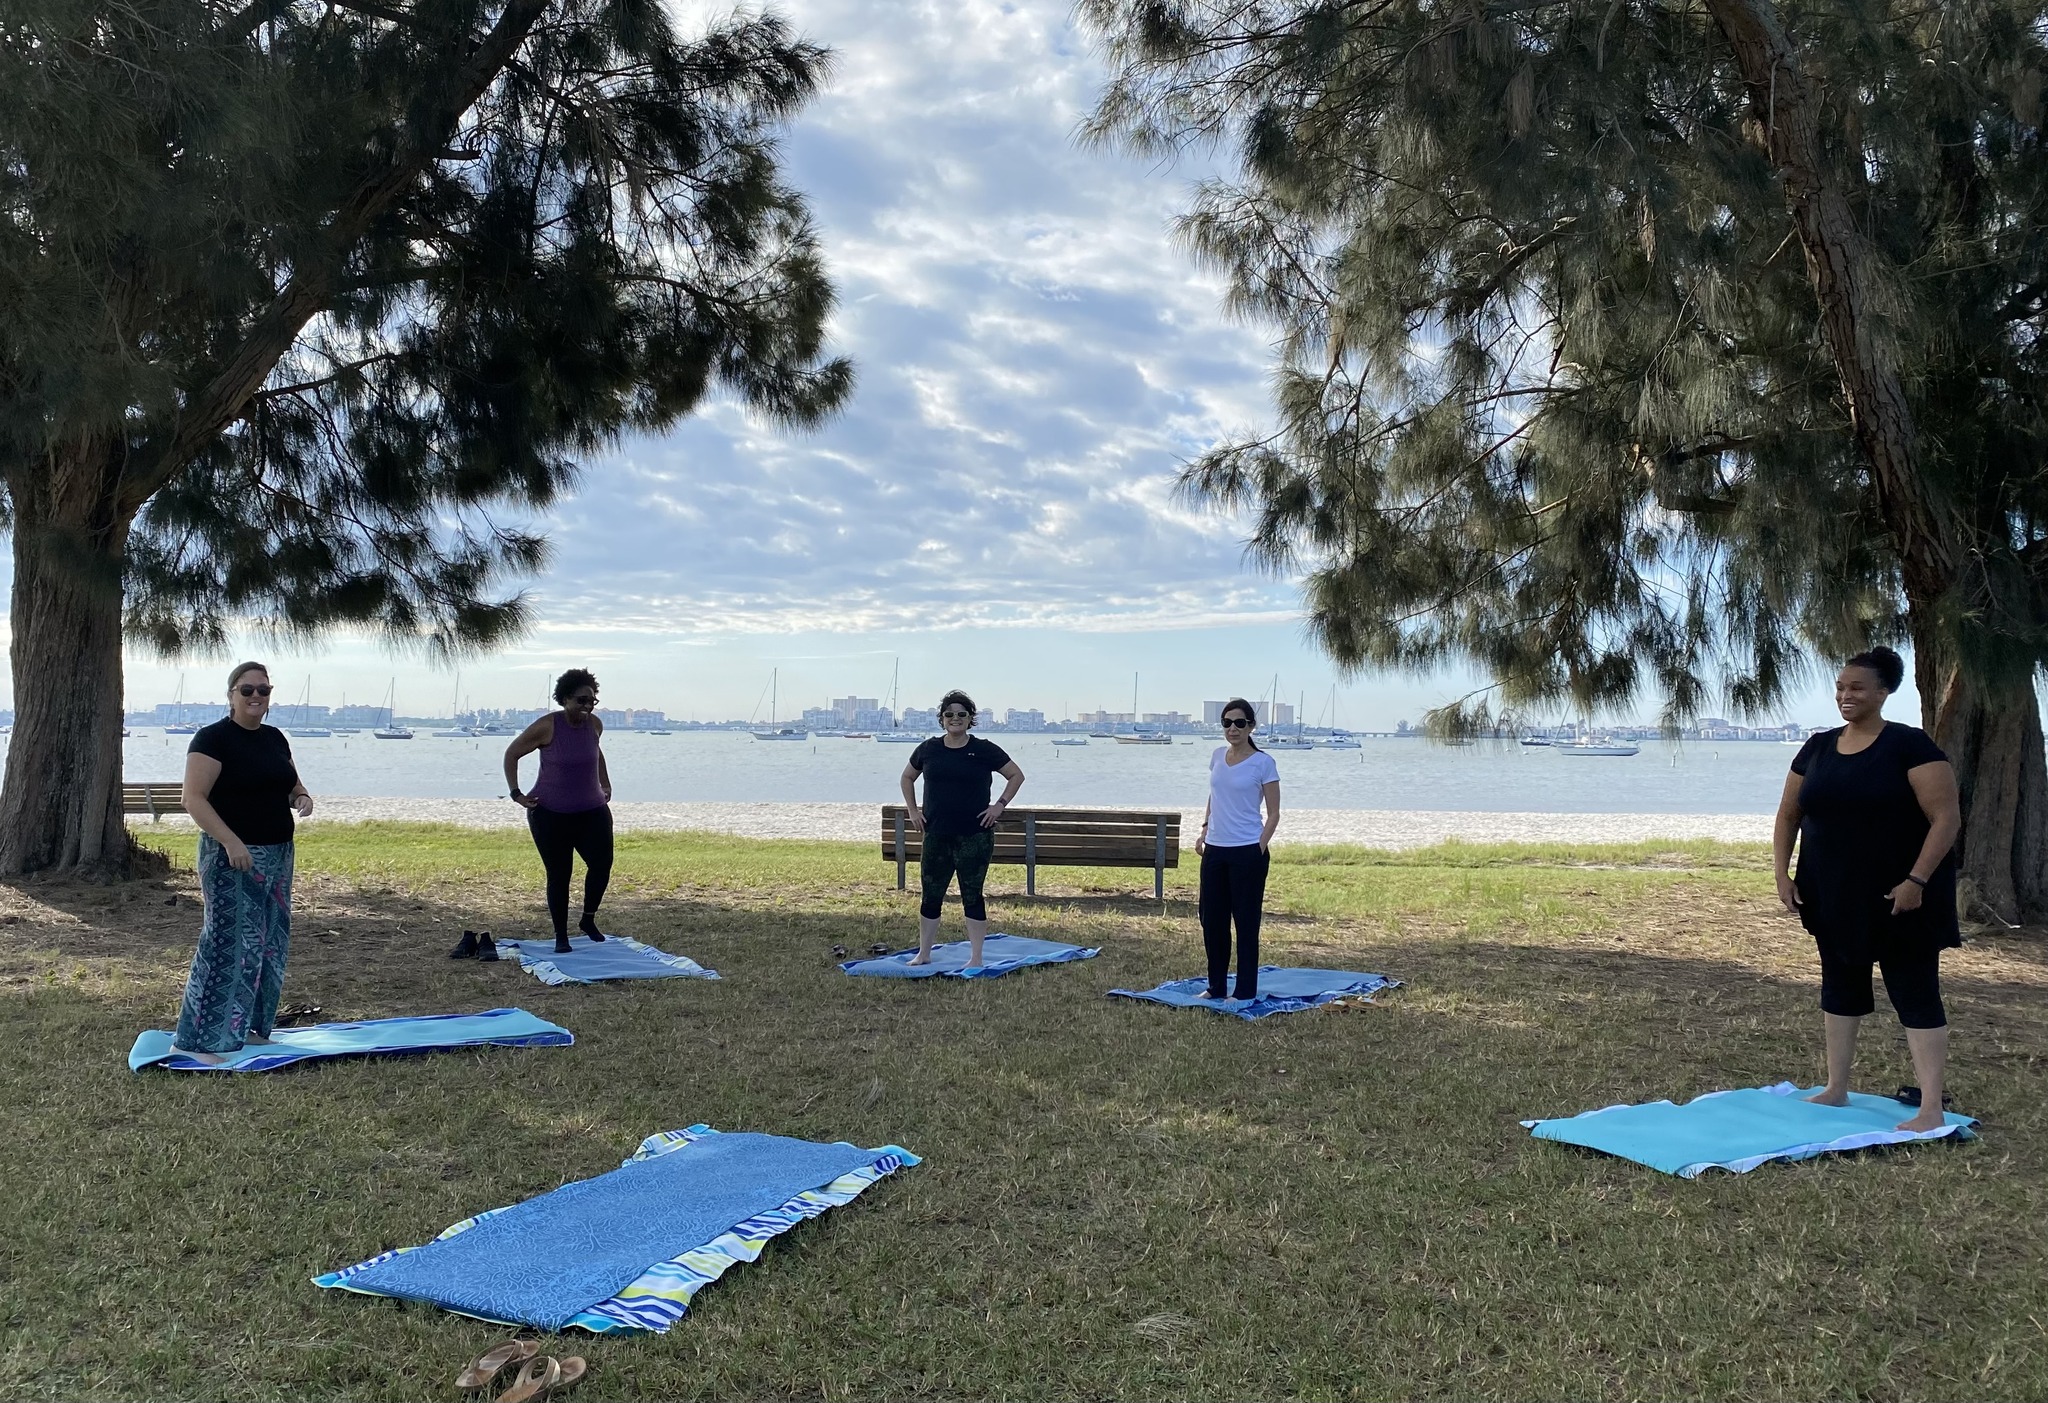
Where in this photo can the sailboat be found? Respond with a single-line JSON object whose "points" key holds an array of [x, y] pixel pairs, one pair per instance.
{"points": [[1338, 739], [305, 709], [1138, 737], [391, 730], [457, 732], [1276, 741], [897, 737], [181, 727], [773, 732]]}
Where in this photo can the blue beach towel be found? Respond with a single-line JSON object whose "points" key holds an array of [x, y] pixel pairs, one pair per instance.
{"points": [[627, 1250], [497, 1027], [589, 961], [999, 955], [1739, 1130], [1280, 991]]}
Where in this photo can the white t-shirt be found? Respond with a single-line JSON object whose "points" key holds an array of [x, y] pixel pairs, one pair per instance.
{"points": [[1235, 815]]}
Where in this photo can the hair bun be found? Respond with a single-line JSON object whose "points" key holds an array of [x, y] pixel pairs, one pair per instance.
{"points": [[1887, 664]]}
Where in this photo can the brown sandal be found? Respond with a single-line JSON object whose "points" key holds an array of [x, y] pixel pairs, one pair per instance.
{"points": [[485, 1366], [540, 1377]]}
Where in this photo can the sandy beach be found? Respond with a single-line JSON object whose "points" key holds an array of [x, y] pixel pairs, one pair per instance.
{"points": [[1377, 828]]}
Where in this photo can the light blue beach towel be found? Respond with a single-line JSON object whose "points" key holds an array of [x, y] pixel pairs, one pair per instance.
{"points": [[1000, 954], [590, 961], [627, 1250], [1739, 1130], [497, 1027], [1281, 990]]}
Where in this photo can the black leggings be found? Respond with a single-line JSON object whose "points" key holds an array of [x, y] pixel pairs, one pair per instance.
{"points": [[1912, 979], [1233, 888], [558, 836], [944, 854]]}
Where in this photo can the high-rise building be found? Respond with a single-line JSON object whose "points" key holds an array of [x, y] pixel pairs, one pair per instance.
{"points": [[1017, 719], [849, 707]]}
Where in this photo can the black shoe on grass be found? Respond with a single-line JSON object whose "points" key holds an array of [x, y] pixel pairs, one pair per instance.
{"points": [[486, 949], [466, 949]]}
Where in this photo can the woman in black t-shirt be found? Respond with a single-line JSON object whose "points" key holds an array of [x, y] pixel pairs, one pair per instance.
{"points": [[957, 820], [242, 789], [1874, 808]]}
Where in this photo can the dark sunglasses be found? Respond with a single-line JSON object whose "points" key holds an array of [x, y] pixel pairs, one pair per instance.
{"points": [[956, 716], [1233, 722], [248, 690], [588, 700]]}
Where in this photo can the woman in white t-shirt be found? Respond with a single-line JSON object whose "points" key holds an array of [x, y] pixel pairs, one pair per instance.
{"points": [[1235, 835]]}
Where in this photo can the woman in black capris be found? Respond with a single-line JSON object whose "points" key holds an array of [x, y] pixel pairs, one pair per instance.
{"points": [[1235, 845], [957, 820], [1874, 808]]}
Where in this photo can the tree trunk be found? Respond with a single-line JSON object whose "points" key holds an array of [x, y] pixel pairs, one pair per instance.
{"points": [[1994, 738], [60, 803]]}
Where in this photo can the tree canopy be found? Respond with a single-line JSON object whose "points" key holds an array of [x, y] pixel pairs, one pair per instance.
{"points": [[1634, 346], [306, 308]]}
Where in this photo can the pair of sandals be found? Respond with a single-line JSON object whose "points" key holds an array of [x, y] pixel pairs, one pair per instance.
{"points": [[538, 1375]]}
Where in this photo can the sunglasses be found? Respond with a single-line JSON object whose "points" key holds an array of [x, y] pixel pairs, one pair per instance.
{"points": [[587, 699], [252, 691], [1232, 723], [956, 716]]}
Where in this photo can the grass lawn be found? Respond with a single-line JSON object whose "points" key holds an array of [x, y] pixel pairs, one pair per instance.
{"points": [[1118, 1200]]}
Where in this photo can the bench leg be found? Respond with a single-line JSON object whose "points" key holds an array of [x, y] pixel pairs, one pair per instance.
{"points": [[1159, 863]]}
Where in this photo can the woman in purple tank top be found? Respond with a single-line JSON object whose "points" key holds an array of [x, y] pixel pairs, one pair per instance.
{"points": [[569, 810]]}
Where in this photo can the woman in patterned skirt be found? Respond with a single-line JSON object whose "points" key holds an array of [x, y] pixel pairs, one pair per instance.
{"points": [[241, 788]]}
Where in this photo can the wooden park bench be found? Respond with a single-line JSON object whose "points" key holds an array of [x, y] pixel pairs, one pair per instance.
{"points": [[1058, 838], [155, 799]]}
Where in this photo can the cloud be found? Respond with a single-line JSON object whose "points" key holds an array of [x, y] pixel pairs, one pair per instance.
{"points": [[1036, 360]]}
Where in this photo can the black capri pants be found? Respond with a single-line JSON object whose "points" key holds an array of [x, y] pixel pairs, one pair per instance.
{"points": [[1233, 890], [1912, 980], [558, 837], [946, 855]]}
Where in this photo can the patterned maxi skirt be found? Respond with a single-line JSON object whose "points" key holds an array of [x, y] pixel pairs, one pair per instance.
{"points": [[238, 972]]}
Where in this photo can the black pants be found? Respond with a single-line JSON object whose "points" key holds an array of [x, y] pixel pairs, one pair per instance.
{"points": [[946, 855], [1912, 979], [1233, 888], [559, 836]]}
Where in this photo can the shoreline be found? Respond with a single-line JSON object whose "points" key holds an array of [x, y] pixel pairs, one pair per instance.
{"points": [[861, 823]]}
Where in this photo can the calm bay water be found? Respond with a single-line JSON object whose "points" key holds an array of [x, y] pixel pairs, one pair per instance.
{"points": [[1696, 777]]}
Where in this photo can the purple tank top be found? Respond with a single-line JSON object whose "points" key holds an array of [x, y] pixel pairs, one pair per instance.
{"points": [[568, 770]]}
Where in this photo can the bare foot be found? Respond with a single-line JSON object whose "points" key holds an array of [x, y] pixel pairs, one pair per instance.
{"points": [[1926, 1120], [1827, 1096], [211, 1059], [258, 1040], [1205, 994], [922, 957]]}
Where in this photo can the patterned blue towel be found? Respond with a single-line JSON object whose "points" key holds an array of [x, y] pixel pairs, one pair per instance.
{"points": [[588, 961], [999, 955], [497, 1027], [1739, 1130], [1280, 991], [546, 1261]]}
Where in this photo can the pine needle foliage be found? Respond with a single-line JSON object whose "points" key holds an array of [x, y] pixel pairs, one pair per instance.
{"points": [[1552, 393], [308, 309]]}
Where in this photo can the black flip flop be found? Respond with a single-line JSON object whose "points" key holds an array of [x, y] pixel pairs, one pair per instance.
{"points": [[1910, 1096], [286, 1017], [878, 950]]}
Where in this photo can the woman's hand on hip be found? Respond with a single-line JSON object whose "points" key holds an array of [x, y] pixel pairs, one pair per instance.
{"points": [[992, 815], [238, 855], [1905, 897], [1788, 894]]}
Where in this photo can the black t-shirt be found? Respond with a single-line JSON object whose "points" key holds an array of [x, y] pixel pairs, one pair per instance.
{"points": [[253, 795], [956, 782], [1860, 832]]}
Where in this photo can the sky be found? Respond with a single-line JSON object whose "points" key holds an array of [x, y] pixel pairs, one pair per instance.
{"points": [[993, 510]]}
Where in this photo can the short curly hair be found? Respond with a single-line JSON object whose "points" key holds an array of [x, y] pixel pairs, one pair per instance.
{"points": [[956, 695], [574, 681]]}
